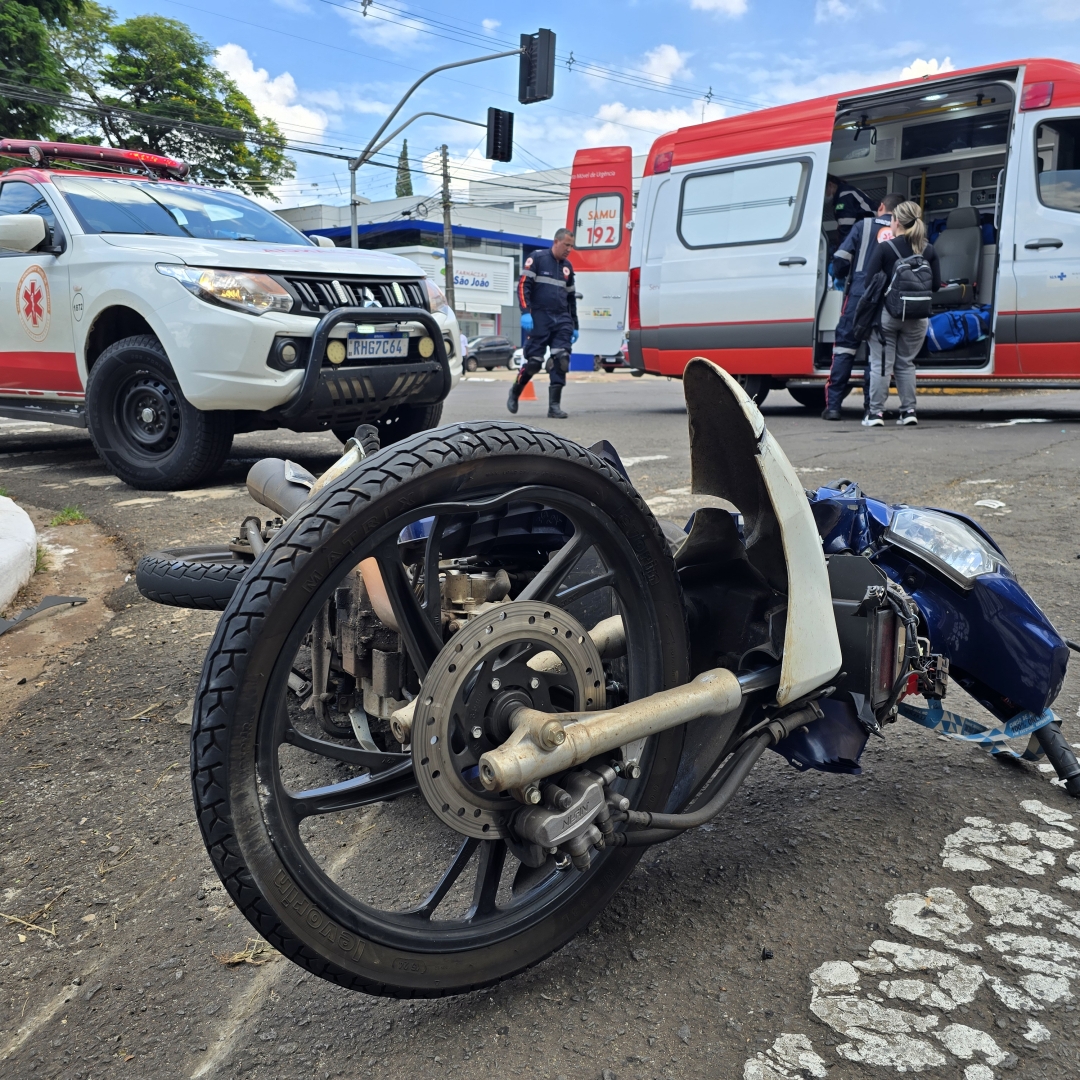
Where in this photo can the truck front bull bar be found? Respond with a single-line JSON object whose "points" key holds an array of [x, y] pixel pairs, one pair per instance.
{"points": [[302, 399]]}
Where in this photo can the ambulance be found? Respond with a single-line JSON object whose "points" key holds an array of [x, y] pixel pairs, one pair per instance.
{"points": [[731, 244]]}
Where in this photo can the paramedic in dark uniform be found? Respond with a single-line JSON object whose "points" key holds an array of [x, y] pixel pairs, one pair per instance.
{"points": [[549, 316], [849, 205], [849, 265]]}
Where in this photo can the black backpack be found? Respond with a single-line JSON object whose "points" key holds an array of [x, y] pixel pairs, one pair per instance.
{"points": [[911, 287]]}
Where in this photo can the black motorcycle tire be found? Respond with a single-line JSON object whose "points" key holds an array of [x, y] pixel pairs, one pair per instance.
{"points": [[191, 577], [282, 591], [180, 447]]}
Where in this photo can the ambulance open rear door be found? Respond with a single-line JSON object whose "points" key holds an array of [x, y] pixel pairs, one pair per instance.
{"points": [[600, 211]]}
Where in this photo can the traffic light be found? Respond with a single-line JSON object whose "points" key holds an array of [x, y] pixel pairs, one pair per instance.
{"points": [[500, 135], [536, 74]]}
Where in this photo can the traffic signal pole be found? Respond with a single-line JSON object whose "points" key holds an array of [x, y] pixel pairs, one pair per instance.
{"points": [[369, 151]]}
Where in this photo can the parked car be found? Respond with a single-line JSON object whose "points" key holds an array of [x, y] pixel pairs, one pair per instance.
{"points": [[619, 361], [165, 317], [489, 353]]}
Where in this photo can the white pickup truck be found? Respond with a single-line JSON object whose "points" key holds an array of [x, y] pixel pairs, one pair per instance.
{"points": [[166, 317]]}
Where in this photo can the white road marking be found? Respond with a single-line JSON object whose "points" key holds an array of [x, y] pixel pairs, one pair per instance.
{"points": [[630, 462], [1018, 420], [938, 981], [1048, 814], [198, 494], [938, 914], [969, 848], [145, 501], [787, 1052], [1036, 1033]]}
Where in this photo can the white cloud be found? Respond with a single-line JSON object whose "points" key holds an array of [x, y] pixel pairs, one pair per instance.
{"points": [[803, 78], [1060, 10], [490, 25], [298, 6], [731, 8], [620, 123], [665, 62], [917, 69], [473, 166], [390, 29], [276, 98], [832, 10]]}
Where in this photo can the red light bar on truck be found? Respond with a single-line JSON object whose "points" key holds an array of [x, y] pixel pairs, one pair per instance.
{"points": [[41, 152]]}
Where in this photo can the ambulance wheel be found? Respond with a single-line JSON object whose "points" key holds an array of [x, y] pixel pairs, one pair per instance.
{"points": [[756, 386], [142, 426]]}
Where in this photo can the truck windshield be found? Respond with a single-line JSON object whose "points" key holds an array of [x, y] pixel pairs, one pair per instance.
{"points": [[164, 209]]}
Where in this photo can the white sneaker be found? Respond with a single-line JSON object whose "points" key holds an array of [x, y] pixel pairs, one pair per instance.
{"points": [[907, 418], [873, 420]]}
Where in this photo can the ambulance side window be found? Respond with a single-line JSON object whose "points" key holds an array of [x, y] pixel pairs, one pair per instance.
{"points": [[755, 204], [19, 198], [1057, 146]]}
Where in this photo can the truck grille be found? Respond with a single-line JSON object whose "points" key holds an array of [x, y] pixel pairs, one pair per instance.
{"points": [[318, 295]]}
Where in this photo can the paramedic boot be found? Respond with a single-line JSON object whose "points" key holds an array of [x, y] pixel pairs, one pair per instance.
{"points": [[554, 407], [515, 392]]}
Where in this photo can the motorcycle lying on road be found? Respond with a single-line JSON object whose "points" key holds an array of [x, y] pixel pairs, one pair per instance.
{"points": [[462, 682]]}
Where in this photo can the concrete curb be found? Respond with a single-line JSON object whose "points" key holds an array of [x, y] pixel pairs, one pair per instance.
{"points": [[18, 550]]}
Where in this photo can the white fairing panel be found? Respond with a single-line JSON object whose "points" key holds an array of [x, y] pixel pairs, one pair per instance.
{"points": [[811, 646]]}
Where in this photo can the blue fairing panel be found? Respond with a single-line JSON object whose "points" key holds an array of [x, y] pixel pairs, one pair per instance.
{"points": [[833, 744]]}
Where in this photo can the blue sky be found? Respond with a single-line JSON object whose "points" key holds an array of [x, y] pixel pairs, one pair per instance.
{"points": [[328, 73]]}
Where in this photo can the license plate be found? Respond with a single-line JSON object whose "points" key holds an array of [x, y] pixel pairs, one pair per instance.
{"points": [[378, 346]]}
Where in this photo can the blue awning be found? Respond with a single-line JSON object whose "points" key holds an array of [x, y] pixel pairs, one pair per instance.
{"points": [[377, 227]]}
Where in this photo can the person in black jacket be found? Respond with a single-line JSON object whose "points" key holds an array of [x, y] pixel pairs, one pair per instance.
{"points": [[895, 343], [849, 205], [549, 316]]}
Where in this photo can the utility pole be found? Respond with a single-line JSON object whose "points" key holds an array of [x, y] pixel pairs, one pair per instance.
{"points": [[447, 228]]}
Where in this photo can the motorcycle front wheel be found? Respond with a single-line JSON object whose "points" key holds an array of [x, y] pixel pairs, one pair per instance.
{"points": [[325, 844]]}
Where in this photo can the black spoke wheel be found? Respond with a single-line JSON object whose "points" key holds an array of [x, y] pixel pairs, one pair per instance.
{"points": [[325, 844], [143, 427]]}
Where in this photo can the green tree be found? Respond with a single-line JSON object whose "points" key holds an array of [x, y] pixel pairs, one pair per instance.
{"points": [[157, 66], [27, 61], [403, 186]]}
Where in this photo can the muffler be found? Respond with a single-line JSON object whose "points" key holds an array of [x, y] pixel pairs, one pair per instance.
{"points": [[542, 744]]}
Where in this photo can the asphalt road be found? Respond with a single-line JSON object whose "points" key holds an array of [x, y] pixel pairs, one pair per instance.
{"points": [[744, 949]]}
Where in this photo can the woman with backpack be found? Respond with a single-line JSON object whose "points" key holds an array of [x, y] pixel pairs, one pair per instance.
{"points": [[910, 275]]}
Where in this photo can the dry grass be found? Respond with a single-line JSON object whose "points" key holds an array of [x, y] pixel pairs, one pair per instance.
{"points": [[251, 953]]}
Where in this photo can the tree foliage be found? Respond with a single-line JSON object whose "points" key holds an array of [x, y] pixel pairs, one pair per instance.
{"points": [[403, 186], [26, 59], [156, 66]]}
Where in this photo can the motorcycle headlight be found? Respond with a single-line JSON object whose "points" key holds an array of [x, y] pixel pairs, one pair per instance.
{"points": [[254, 293], [945, 542], [436, 297]]}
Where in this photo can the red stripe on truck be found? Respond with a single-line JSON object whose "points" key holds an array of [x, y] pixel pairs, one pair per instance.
{"points": [[55, 371]]}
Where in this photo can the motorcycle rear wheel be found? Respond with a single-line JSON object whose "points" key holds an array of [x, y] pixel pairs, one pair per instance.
{"points": [[355, 878]]}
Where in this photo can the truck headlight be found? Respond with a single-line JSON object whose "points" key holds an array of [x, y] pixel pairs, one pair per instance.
{"points": [[946, 543], [254, 293], [436, 297]]}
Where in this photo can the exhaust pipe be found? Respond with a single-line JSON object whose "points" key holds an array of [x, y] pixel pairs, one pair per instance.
{"points": [[544, 743]]}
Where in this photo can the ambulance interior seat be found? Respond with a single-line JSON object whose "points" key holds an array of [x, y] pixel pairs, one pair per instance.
{"points": [[959, 252]]}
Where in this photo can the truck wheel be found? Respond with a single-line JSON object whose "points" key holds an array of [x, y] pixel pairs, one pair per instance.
{"points": [[143, 427], [407, 420], [193, 577], [756, 386]]}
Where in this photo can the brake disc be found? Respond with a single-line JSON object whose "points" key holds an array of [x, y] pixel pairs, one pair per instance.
{"points": [[499, 662]]}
